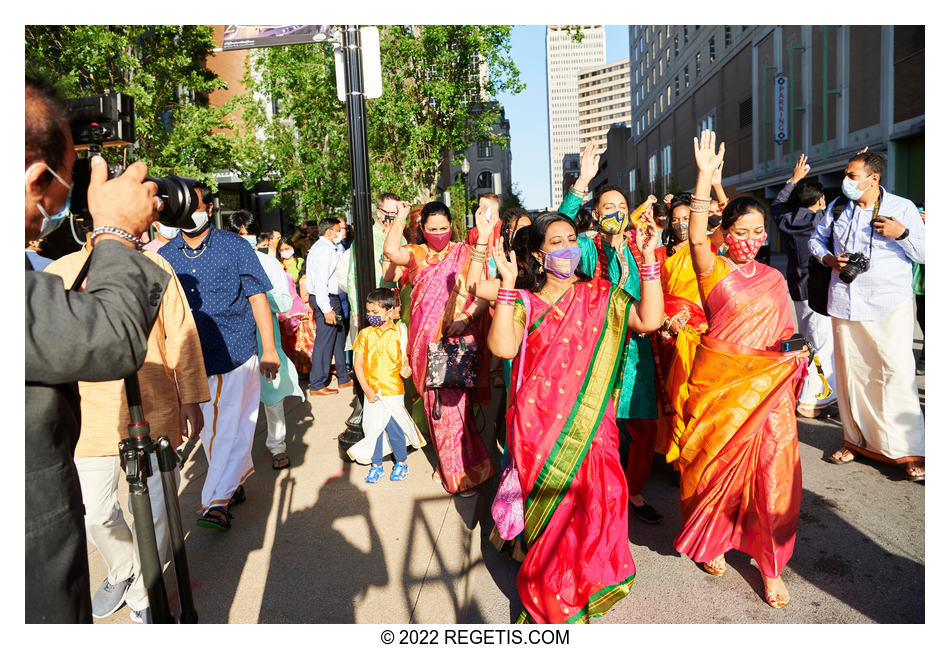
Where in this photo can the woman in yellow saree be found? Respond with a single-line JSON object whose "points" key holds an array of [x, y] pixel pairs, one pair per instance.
{"points": [[562, 432], [740, 484]]}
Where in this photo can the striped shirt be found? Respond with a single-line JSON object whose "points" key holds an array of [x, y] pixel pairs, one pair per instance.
{"points": [[887, 283]]}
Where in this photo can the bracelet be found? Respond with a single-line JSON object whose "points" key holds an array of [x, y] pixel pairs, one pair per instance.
{"points": [[480, 244], [650, 271], [507, 295], [108, 229], [479, 257], [699, 204], [576, 192]]}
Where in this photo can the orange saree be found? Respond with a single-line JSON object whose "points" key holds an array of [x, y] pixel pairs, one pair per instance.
{"points": [[740, 485]]}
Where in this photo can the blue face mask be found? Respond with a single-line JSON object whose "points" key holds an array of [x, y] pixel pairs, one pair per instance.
{"points": [[376, 320], [850, 188], [53, 221]]}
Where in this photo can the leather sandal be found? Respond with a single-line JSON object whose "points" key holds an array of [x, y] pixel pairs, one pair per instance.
{"points": [[280, 461], [216, 518], [841, 456]]}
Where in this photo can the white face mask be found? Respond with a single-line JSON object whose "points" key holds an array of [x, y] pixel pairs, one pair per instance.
{"points": [[250, 238], [167, 232], [286, 254], [200, 219], [337, 237]]}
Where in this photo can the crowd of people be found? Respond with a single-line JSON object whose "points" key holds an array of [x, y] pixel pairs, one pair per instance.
{"points": [[615, 334]]}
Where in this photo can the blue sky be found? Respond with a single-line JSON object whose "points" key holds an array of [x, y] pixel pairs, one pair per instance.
{"points": [[527, 111]]}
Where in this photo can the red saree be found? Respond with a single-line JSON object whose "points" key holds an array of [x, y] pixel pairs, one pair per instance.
{"points": [[740, 486], [438, 298], [563, 436]]}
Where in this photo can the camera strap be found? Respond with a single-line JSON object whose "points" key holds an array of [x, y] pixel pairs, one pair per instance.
{"points": [[877, 208]]}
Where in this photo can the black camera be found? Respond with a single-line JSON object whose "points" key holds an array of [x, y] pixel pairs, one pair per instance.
{"points": [[858, 263], [109, 120]]}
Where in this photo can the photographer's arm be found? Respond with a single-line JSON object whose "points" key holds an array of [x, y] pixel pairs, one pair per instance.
{"points": [[99, 334]]}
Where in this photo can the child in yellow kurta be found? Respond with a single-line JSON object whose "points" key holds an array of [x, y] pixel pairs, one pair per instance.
{"points": [[380, 362]]}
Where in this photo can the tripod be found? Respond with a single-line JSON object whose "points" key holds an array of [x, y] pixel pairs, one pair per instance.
{"points": [[135, 452]]}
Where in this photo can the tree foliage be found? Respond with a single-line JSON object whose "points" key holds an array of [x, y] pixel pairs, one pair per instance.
{"points": [[161, 67], [438, 86]]}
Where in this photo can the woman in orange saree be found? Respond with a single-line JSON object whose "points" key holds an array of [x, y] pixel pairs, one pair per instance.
{"points": [[740, 483], [561, 428]]}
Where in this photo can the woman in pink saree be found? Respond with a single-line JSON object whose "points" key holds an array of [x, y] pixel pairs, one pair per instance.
{"points": [[441, 308], [562, 433], [740, 485]]}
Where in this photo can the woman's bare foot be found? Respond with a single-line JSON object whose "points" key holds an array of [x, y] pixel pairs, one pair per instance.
{"points": [[716, 567], [776, 594], [915, 470]]}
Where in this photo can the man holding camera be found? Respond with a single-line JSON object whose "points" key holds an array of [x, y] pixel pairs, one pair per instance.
{"points": [[874, 243], [97, 334]]}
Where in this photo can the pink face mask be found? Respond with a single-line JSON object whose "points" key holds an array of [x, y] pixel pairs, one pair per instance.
{"points": [[437, 241], [743, 250]]}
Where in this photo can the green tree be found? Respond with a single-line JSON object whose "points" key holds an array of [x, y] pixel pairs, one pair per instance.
{"points": [[161, 67], [512, 198], [438, 86]]}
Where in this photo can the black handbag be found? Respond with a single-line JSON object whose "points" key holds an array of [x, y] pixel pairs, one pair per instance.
{"points": [[819, 275], [450, 366]]}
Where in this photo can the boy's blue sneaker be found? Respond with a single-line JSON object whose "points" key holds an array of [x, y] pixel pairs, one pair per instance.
{"points": [[375, 473], [400, 472]]}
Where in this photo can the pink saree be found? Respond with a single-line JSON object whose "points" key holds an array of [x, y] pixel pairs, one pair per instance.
{"points": [[438, 297], [563, 437], [740, 485]]}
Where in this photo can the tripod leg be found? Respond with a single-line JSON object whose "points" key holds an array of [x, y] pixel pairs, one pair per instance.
{"points": [[167, 461], [150, 564]]}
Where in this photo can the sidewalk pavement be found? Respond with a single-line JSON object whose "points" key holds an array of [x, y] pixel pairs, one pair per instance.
{"points": [[316, 544]]}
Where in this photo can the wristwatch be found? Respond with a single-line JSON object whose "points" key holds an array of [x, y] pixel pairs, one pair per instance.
{"points": [[904, 235]]}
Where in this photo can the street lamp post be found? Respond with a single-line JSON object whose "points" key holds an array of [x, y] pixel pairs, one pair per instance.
{"points": [[466, 167]]}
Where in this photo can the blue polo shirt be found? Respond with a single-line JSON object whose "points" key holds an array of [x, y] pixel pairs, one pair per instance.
{"points": [[218, 277]]}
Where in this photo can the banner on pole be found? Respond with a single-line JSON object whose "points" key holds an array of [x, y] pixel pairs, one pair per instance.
{"points": [[371, 65], [242, 37], [781, 108]]}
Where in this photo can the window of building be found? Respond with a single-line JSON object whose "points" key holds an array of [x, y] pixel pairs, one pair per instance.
{"points": [[666, 166], [676, 85], [712, 50], [698, 68], [728, 36], [652, 169], [669, 95], [685, 35], [661, 104], [708, 122], [745, 113], [667, 56], [632, 174], [676, 46], [661, 67], [685, 76], [484, 149], [485, 180]]}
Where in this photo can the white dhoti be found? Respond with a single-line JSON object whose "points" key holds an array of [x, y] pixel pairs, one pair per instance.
{"points": [[230, 419], [375, 417], [817, 330], [877, 386]]}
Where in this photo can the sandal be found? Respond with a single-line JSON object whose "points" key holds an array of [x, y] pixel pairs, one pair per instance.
{"points": [[841, 456], [375, 473], [776, 598], [216, 518], [715, 569], [238, 497], [280, 461], [400, 472]]}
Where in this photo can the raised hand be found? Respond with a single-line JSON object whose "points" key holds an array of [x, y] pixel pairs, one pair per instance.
{"points": [[800, 170], [485, 221], [707, 158], [648, 235], [590, 162], [507, 266]]}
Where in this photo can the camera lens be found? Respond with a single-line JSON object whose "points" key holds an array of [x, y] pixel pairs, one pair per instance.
{"points": [[180, 201]]}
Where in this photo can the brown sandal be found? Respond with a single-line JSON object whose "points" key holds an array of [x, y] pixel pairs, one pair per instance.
{"points": [[217, 518], [280, 461]]}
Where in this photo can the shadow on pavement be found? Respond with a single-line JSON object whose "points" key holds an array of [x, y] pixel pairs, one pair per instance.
{"points": [[316, 575]]}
